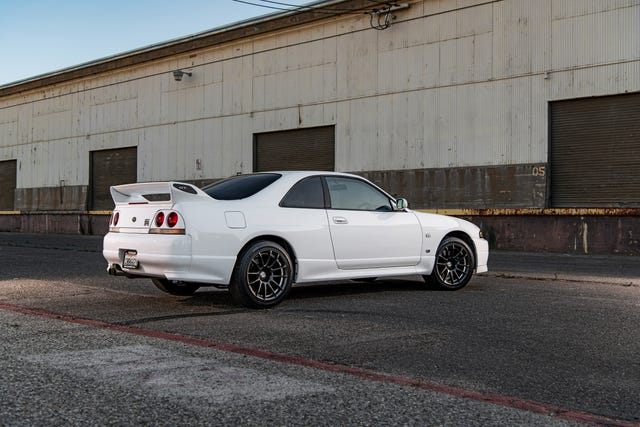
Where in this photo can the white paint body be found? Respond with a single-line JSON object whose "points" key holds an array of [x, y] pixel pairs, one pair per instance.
{"points": [[322, 245]]}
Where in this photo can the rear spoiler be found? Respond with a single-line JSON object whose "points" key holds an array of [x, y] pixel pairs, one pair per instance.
{"points": [[154, 192]]}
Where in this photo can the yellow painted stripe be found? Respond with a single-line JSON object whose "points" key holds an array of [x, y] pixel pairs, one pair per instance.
{"points": [[456, 212], [536, 212], [54, 213]]}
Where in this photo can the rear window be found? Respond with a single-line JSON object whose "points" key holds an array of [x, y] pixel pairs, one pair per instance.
{"points": [[241, 186]]}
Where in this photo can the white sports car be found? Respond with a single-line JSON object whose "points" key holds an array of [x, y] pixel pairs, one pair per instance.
{"points": [[258, 234]]}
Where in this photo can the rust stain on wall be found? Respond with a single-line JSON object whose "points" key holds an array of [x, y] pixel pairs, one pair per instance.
{"points": [[596, 234], [538, 212]]}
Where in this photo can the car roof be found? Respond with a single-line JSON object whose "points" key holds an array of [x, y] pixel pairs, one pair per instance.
{"points": [[290, 177], [301, 174], [280, 187]]}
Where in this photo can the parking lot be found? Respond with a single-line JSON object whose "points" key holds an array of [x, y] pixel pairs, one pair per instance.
{"points": [[541, 340]]}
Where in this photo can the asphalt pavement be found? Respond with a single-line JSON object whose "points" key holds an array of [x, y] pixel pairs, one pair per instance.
{"points": [[542, 339], [611, 269]]}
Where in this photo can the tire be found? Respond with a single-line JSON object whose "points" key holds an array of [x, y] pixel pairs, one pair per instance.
{"points": [[262, 277], [175, 287], [453, 266]]}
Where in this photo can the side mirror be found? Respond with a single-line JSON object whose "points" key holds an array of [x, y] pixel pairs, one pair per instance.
{"points": [[401, 204]]}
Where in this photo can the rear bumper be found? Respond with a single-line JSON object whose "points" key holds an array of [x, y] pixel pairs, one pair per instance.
{"points": [[165, 256], [157, 254]]}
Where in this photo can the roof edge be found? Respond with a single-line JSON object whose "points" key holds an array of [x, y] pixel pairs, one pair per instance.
{"points": [[235, 31]]}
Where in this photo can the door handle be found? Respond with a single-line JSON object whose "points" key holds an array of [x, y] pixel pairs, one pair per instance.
{"points": [[340, 220]]}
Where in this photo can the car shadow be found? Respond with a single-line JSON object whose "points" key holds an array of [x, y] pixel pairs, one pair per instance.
{"points": [[219, 298], [212, 302], [354, 287]]}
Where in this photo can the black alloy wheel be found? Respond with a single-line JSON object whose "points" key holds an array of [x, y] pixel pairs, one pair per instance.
{"points": [[454, 265], [263, 276]]}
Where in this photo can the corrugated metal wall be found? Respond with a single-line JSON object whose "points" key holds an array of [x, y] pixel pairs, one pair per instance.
{"points": [[595, 152], [300, 149], [110, 167], [7, 185], [450, 84]]}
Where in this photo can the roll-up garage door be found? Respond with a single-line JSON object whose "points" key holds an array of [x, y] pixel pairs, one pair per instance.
{"points": [[7, 184], [111, 167], [595, 152], [299, 149]]}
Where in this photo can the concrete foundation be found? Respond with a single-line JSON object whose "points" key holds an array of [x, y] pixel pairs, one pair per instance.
{"points": [[56, 223], [577, 234], [594, 234]]}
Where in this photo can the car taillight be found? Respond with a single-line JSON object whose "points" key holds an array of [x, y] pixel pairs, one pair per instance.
{"points": [[116, 217], [167, 222], [172, 219], [159, 219]]}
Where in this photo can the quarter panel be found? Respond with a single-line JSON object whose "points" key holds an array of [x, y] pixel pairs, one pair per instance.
{"points": [[306, 231]]}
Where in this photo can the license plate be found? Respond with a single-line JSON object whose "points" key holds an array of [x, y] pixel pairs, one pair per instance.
{"points": [[130, 259]]}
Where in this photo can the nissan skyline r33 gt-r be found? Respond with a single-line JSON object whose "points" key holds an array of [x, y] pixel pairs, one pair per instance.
{"points": [[258, 234]]}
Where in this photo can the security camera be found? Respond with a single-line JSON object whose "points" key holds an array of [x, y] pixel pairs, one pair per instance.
{"points": [[177, 75]]}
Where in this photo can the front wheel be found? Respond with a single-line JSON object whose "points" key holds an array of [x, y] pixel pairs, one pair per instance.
{"points": [[454, 265], [263, 275], [175, 287]]}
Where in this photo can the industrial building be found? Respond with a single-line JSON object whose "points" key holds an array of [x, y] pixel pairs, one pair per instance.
{"points": [[522, 116]]}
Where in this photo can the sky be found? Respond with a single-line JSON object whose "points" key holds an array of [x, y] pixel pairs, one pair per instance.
{"points": [[41, 36]]}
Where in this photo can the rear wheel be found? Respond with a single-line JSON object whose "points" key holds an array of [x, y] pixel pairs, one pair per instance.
{"points": [[263, 275], [454, 265], [175, 287]]}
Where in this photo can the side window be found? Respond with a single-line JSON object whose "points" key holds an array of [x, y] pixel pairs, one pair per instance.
{"points": [[354, 194], [307, 193]]}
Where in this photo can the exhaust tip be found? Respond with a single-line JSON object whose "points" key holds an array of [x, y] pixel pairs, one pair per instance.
{"points": [[114, 270]]}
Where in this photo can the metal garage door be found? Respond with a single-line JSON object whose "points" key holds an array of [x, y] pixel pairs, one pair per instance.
{"points": [[300, 149], [595, 152], [110, 167], [7, 184]]}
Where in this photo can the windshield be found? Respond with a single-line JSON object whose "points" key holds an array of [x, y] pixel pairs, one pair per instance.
{"points": [[241, 186]]}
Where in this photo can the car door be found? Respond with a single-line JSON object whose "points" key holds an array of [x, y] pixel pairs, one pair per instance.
{"points": [[366, 231]]}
